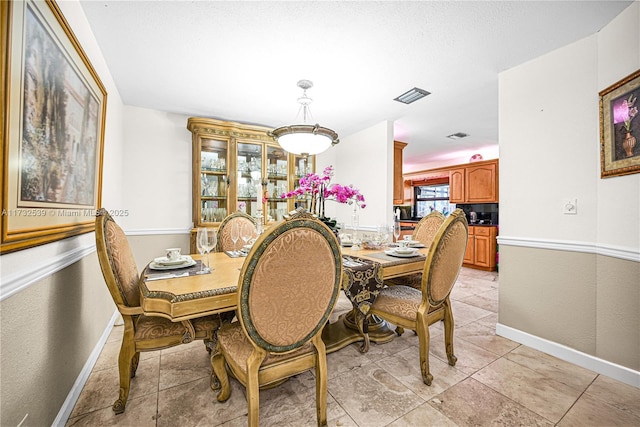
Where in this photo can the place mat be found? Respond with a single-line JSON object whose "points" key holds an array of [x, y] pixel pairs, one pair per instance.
{"points": [[361, 282], [392, 260], [194, 269]]}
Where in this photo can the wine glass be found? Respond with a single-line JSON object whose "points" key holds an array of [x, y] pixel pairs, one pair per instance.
{"points": [[209, 241], [235, 235], [396, 230], [202, 248], [383, 234], [247, 232]]}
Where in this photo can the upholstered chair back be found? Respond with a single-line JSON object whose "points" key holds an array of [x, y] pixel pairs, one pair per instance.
{"points": [[289, 284], [224, 231], [116, 261], [445, 258], [428, 227]]}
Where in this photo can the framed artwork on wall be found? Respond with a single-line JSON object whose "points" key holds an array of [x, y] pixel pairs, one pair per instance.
{"points": [[620, 127], [53, 110]]}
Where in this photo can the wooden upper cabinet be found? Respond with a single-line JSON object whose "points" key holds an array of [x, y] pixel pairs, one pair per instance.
{"points": [[474, 183], [456, 185], [482, 183], [398, 183]]}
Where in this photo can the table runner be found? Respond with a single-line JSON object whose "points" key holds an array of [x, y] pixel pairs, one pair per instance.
{"points": [[361, 282]]}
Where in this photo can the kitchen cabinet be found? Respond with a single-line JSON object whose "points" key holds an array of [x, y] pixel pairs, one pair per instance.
{"points": [[474, 183], [234, 166], [481, 248], [407, 228], [398, 181]]}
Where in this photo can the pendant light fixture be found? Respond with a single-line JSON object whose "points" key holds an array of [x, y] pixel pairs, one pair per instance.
{"points": [[305, 139]]}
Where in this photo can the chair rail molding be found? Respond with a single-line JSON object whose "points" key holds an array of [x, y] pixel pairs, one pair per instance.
{"points": [[40, 268], [629, 254], [157, 231]]}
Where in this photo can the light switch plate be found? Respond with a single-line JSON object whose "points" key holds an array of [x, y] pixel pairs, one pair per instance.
{"points": [[570, 206]]}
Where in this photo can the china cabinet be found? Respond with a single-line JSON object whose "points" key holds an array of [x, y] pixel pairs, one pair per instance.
{"points": [[239, 167]]}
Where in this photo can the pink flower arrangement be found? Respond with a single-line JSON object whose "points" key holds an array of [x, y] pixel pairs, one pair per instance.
{"points": [[318, 188], [625, 111]]}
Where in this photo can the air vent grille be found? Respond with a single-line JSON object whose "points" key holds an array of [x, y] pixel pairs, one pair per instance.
{"points": [[412, 95], [458, 135]]}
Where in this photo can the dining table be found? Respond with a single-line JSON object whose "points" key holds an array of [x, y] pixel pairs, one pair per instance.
{"points": [[185, 293]]}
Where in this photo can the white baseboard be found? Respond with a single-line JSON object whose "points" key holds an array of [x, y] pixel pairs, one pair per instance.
{"points": [[78, 385], [601, 366]]}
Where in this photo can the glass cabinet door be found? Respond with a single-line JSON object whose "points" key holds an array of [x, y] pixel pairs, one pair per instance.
{"points": [[249, 175], [213, 180], [301, 166], [277, 182]]}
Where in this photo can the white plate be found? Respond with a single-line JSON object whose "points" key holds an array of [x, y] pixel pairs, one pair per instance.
{"points": [[165, 261], [155, 266], [392, 252]]}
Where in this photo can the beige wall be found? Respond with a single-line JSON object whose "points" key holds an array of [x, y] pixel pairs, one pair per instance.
{"points": [[617, 311], [47, 333], [570, 279], [587, 302], [550, 294]]}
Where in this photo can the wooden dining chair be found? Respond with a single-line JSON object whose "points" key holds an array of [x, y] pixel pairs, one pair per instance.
{"points": [[415, 309], [141, 332], [287, 290], [225, 243], [425, 232]]}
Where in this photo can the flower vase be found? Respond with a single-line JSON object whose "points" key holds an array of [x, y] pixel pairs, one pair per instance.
{"points": [[628, 144], [355, 223]]}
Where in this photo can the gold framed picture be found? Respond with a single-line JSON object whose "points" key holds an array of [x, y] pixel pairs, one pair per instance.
{"points": [[620, 127], [54, 108]]}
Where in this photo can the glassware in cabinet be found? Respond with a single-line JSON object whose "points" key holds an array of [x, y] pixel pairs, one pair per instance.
{"points": [[249, 177], [301, 166], [213, 181], [277, 182]]}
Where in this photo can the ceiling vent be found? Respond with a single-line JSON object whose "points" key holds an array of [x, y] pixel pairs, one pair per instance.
{"points": [[412, 95], [458, 135]]}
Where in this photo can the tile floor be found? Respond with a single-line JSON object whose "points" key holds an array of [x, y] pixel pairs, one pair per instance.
{"points": [[495, 382]]}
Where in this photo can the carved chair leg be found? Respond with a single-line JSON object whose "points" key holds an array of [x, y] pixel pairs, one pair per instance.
{"points": [[253, 385], [127, 365], [321, 382], [134, 364], [448, 333], [219, 378], [422, 328]]}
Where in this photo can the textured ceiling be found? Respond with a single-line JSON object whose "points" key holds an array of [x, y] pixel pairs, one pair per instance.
{"points": [[241, 60]]}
